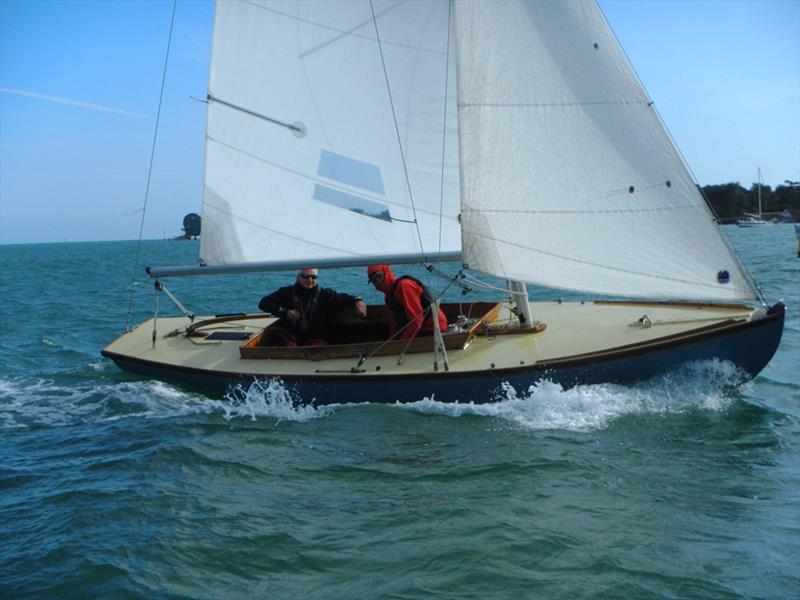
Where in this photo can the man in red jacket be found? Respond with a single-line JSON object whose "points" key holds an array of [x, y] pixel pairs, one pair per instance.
{"points": [[408, 301]]}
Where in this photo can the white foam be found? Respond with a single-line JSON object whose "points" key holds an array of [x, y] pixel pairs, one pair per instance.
{"points": [[30, 403], [156, 399], [270, 398], [38, 402], [45, 402], [546, 405]]}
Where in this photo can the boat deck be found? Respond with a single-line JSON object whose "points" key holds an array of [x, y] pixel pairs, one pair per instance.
{"points": [[572, 330]]}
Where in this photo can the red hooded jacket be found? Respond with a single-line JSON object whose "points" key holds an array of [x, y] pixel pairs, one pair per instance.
{"points": [[406, 293]]}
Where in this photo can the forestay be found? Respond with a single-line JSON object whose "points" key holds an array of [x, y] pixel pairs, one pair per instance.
{"points": [[568, 178], [310, 154]]}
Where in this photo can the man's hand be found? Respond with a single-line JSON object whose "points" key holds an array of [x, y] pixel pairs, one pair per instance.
{"points": [[361, 308], [293, 314]]}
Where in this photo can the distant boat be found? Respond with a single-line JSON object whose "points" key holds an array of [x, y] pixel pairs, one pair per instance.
{"points": [[754, 220], [339, 134]]}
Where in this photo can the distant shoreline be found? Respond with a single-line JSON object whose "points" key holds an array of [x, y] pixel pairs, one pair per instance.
{"points": [[726, 223]]}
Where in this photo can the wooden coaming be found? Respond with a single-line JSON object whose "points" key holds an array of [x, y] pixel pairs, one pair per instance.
{"points": [[371, 337]]}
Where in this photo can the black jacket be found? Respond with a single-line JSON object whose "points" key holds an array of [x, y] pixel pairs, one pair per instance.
{"points": [[316, 305]]}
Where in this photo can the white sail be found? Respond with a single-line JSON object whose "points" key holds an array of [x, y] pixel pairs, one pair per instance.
{"points": [[330, 181], [568, 178], [331, 136]]}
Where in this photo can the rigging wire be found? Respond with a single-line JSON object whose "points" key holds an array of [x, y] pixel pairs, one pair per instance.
{"points": [[150, 167], [488, 286], [396, 127], [425, 314], [444, 123]]}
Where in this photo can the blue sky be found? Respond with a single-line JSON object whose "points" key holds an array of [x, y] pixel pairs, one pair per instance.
{"points": [[79, 87]]}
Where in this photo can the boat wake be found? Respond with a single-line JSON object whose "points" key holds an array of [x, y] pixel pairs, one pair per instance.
{"points": [[31, 403], [707, 385]]}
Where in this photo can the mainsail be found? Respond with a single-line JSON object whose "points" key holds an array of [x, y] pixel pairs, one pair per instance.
{"points": [[328, 132], [334, 134]]}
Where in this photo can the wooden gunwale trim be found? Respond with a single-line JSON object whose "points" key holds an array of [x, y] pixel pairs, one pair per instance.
{"points": [[673, 303], [491, 332]]}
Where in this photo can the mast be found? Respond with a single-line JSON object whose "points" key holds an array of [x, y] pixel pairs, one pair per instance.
{"points": [[519, 295], [759, 192]]}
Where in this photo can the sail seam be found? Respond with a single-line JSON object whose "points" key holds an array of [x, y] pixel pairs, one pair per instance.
{"points": [[550, 104], [594, 264], [582, 212], [276, 231], [343, 32]]}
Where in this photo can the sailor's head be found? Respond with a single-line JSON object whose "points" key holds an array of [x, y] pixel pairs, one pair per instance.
{"points": [[307, 278], [380, 276]]}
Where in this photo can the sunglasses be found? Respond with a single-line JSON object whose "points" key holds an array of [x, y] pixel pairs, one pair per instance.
{"points": [[304, 276]]}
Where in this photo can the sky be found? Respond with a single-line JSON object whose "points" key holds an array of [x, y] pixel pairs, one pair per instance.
{"points": [[80, 84]]}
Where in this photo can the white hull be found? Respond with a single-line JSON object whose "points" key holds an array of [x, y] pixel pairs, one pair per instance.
{"points": [[752, 223]]}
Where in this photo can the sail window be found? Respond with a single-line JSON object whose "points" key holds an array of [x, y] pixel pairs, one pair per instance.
{"points": [[351, 172], [348, 201], [355, 174]]}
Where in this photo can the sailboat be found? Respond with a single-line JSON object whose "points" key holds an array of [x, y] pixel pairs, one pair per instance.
{"points": [[754, 220], [511, 138]]}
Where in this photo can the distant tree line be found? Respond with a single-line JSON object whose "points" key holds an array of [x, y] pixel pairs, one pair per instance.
{"points": [[730, 200]]}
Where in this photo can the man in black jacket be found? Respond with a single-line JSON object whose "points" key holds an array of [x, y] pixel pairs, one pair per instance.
{"points": [[304, 311]]}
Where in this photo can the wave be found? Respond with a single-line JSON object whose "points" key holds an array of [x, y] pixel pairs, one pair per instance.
{"points": [[33, 403], [704, 385], [29, 403], [544, 405]]}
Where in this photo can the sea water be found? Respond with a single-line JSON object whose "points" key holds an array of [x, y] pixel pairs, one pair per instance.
{"points": [[112, 485]]}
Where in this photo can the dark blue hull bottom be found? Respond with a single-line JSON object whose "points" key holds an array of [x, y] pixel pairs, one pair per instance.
{"points": [[749, 346]]}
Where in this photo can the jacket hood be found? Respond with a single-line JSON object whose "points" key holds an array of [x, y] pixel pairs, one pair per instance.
{"points": [[386, 281], [372, 270]]}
